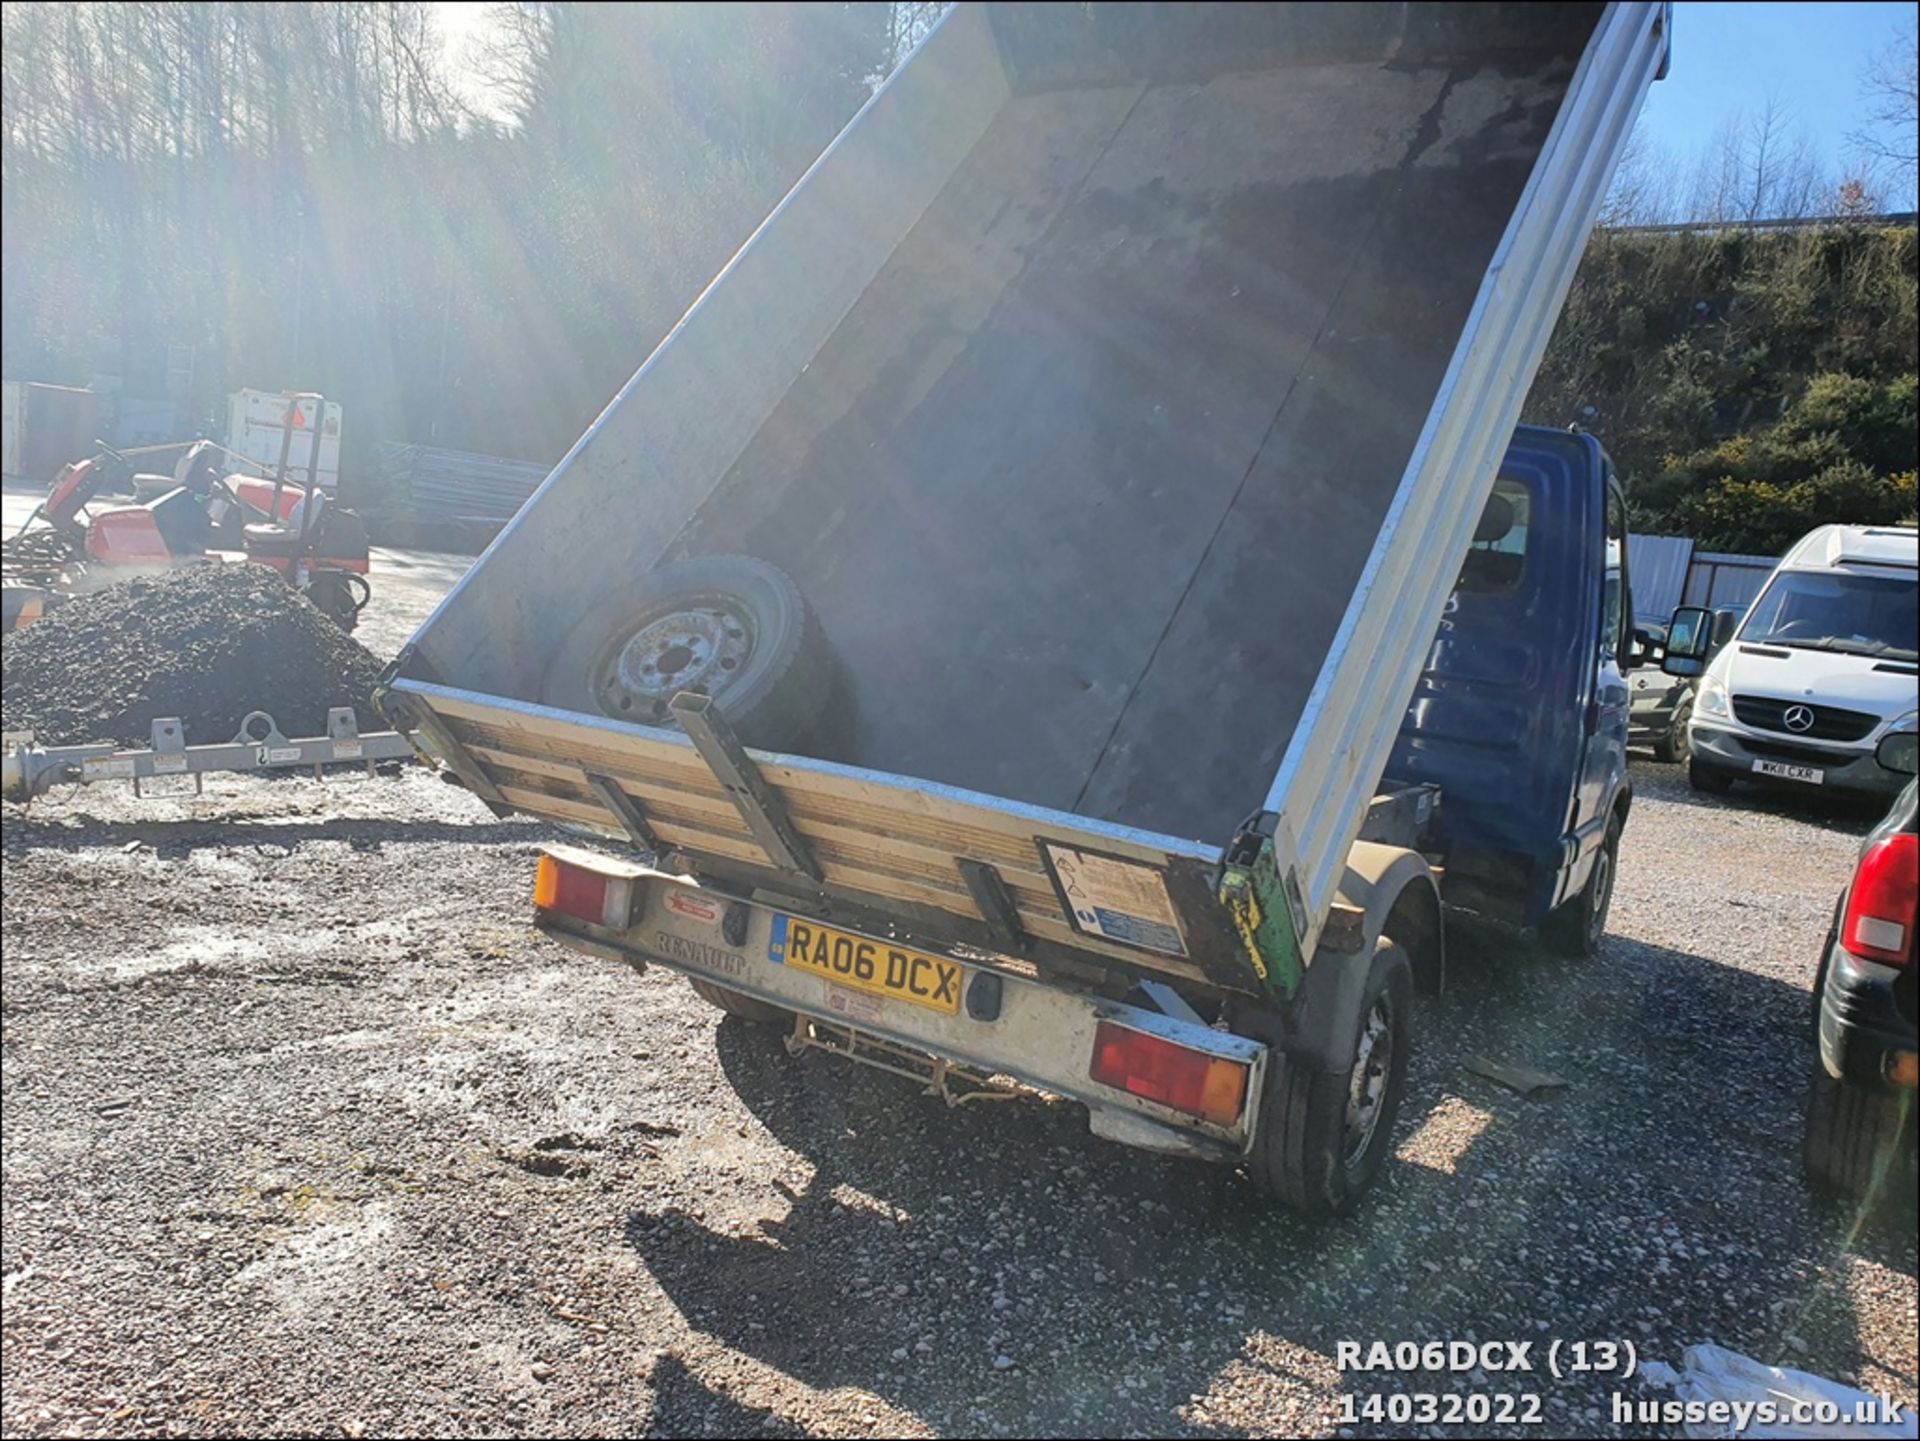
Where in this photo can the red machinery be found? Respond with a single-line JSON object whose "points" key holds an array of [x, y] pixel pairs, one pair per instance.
{"points": [[196, 516]]}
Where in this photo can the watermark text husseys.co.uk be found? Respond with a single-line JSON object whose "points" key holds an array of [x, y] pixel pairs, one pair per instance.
{"points": [[1741, 1416]]}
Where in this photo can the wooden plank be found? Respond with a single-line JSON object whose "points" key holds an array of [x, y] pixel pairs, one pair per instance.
{"points": [[902, 860], [1023, 875], [853, 878], [1007, 849], [647, 789], [880, 887], [611, 749]]}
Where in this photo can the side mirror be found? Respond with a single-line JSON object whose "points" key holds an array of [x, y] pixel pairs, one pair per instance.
{"points": [[1643, 648], [1726, 621], [1689, 641], [1899, 752]]}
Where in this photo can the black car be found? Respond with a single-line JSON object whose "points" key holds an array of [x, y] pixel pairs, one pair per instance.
{"points": [[1860, 1113]]}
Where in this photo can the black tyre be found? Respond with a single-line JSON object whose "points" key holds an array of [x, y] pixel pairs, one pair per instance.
{"points": [[1708, 779], [340, 595], [735, 1004], [1324, 1135], [727, 626], [1672, 747], [1858, 1141], [1577, 927]]}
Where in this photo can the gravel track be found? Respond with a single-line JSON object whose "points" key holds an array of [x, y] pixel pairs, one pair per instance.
{"points": [[306, 1131]]}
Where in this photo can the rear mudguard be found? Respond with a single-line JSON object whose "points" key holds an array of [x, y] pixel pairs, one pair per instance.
{"points": [[1387, 890]]}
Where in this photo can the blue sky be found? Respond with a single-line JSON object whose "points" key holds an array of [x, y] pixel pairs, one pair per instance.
{"points": [[1728, 56]]}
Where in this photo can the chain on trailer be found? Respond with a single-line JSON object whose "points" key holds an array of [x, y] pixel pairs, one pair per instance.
{"points": [[28, 770]]}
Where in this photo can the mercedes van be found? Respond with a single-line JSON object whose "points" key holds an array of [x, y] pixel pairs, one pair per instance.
{"points": [[1822, 667]]}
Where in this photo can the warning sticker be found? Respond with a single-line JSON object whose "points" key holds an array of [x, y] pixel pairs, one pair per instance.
{"points": [[165, 763], [696, 907], [1119, 900], [347, 750], [95, 768], [853, 1005]]}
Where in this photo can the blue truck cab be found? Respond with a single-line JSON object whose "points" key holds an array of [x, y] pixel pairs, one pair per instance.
{"points": [[1520, 716]]}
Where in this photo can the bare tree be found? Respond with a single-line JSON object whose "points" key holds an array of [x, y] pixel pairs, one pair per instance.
{"points": [[1780, 171], [508, 59], [1642, 192], [908, 22], [1890, 142], [1760, 167], [1717, 176]]}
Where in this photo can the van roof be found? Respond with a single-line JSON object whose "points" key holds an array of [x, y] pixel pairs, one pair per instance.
{"points": [[1868, 545]]}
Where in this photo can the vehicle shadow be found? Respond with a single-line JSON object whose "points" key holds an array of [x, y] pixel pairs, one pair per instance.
{"points": [[683, 1405], [994, 1268]]}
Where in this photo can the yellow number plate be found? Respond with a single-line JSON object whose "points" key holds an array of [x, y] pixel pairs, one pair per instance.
{"points": [[864, 965]]}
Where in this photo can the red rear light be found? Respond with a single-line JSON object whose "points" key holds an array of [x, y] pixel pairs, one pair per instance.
{"points": [[1878, 925], [570, 885], [1186, 1080]]}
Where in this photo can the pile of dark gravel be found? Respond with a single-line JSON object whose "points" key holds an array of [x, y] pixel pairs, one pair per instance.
{"points": [[207, 644]]}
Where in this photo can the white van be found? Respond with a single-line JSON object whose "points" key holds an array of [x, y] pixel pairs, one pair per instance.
{"points": [[1823, 666]]}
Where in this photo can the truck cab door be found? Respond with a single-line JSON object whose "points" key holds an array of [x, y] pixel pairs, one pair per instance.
{"points": [[1604, 764]]}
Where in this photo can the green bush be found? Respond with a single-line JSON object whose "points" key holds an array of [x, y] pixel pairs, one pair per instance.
{"points": [[1750, 385]]}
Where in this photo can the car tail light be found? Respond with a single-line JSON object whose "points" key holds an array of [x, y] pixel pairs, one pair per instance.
{"points": [[570, 884], [1880, 907], [1174, 1075]]}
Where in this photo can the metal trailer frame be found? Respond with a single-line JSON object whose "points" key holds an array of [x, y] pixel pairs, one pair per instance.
{"points": [[31, 770], [518, 755]]}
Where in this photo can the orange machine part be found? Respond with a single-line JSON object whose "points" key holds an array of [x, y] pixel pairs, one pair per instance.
{"points": [[259, 494], [127, 537], [66, 496]]}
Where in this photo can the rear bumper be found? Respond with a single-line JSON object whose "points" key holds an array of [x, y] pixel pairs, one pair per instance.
{"points": [[1852, 772], [1037, 1033], [1863, 1034]]}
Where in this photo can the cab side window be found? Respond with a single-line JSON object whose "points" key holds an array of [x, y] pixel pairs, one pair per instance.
{"points": [[1497, 556], [1613, 605]]}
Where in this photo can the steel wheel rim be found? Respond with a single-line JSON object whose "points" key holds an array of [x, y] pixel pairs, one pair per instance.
{"points": [[1367, 1081], [699, 643], [1602, 896]]}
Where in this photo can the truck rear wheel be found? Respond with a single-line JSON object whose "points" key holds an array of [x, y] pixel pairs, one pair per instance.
{"points": [[735, 1004], [1324, 1135], [1856, 1138], [726, 626]]}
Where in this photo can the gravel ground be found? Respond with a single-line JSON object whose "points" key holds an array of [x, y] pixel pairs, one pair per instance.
{"points": [[306, 1131]]}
